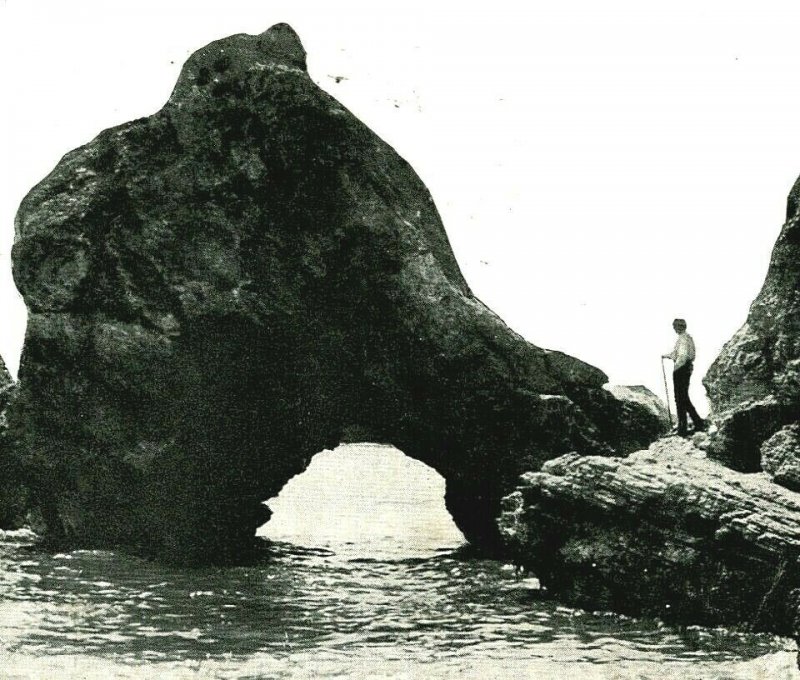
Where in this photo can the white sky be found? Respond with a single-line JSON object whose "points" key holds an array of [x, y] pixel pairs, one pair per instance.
{"points": [[600, 168], [400, 509]]}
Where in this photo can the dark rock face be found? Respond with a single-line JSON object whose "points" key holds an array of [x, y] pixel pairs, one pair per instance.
{"points": [[663, 532], [6, 390], [754, 385], [223, 289], [13, 495], [780, 457], [652, 422]]}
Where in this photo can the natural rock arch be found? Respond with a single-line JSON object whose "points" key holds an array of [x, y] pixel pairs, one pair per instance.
{"points": [[249, 276]]}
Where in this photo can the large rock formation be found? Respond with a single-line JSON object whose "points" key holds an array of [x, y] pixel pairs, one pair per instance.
{"points": [[249, 276], [754, 385], [665, 532]]}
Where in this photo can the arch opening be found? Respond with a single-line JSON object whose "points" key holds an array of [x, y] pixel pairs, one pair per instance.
{"points": [[365, 499]]}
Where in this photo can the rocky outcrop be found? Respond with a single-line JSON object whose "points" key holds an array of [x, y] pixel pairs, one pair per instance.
{"points": [[6, 391], [780, 457], [249, 276], [669, 532], [664, 532], [754, 385], [647, 414], [13, 494]]}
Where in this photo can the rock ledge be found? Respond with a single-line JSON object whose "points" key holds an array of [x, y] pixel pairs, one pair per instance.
{"points": [[664, 532]]}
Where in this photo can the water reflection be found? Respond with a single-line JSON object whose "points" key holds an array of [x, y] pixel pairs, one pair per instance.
{"points": [[328, 608], [396, 598]]}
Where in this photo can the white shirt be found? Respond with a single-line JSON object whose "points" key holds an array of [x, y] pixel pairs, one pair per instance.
{"points": [[684, 350]]}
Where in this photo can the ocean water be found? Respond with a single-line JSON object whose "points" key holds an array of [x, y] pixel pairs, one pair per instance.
{"points": [[379, 591]]}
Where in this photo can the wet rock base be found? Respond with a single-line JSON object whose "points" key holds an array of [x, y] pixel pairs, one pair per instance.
{"points": [[665, 532]]}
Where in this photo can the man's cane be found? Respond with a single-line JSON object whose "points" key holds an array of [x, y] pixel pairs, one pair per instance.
{"points": [[666, 390]]}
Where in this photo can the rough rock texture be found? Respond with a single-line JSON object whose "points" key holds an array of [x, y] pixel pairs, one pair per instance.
{"points": [[669, 532], [656, 408], [664, 532], [6, 391], [754, 385], [249, 276], [13, 496], [780, 457]]}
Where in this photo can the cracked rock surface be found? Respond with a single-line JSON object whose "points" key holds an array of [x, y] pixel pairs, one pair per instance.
{"points": [[754, 384], [664, 532]]}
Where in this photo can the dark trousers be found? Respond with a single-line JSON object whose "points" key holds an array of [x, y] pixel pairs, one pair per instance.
{"points": [[683, 405]]}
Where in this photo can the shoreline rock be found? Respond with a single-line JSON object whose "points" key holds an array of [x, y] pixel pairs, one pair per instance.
{"points": [[754, 384], [14, 497], [690, 531], [223, 289], [665, 532]]}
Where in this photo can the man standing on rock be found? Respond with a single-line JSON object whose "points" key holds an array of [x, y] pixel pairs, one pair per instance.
{"points": [[683, 356]]}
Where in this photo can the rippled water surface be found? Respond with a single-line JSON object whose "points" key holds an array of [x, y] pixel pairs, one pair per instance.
{"points": [[330, 613], [386, 591]]}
